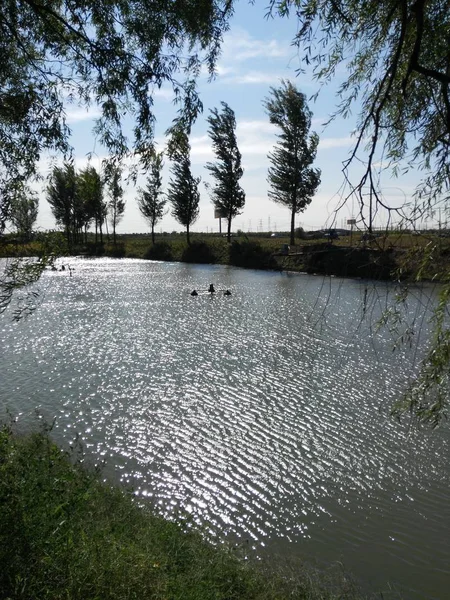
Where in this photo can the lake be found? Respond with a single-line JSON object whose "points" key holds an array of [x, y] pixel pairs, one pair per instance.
{"points": [[263, 416]]}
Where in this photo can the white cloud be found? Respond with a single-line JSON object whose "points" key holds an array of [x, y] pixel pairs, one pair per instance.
{"points": [[255, 127], [165, 93], [221, 70], [338, 142], [240, 46], [201, 150], [253, 77], [75, 114]]}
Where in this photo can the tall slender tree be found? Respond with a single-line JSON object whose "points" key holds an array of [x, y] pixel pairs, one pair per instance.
{"points": [[61, 195], [183, 191], [227, 195], [151, 201], [90, 190], [116, 204], [292, 180], [24, 211], [114, 53]]}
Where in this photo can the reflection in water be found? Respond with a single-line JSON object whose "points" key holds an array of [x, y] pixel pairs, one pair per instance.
{"points": [[263, 415]]}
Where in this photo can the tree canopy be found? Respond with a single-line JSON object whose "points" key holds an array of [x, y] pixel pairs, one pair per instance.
{"points": [[111, 53], [292, 179], [151, 201], [63, 199], [116, 203], [183, 191], [227, 194], [90, 200], [24, 211], [397, 60]]}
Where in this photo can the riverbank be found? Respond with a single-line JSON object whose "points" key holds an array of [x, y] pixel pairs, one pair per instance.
{"points": [[393, 256], [66, 534]]}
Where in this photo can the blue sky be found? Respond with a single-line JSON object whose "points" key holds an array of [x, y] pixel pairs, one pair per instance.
{"points": [[257, 54]]}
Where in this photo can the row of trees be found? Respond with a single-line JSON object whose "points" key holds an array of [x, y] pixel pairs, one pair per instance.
{"points": [[291, 177], [183, 193], [78, 200]]}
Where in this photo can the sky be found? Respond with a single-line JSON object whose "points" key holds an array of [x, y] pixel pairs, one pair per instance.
{"points": [[257, 54]]}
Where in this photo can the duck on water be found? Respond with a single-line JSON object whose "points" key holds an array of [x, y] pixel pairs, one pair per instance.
{"points": [[211, 290]]}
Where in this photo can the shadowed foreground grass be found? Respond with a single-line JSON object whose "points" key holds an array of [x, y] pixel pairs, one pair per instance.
{"points": [[66, 535]]}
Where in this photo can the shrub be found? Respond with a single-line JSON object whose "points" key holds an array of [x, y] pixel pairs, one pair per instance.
{"points": [[199, 252], [116, 251], [159, 251], [251, 255], [93, 249]]}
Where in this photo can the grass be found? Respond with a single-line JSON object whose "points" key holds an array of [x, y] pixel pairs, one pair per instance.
{"points": [[410, 256], [64, 534]]}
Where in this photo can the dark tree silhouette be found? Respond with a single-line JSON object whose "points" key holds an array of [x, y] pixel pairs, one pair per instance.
{"points": [[293, 182], [227, 195]]}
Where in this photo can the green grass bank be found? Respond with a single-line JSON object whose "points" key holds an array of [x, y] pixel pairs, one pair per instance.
{"points": [[392, 255], [65, 534]]}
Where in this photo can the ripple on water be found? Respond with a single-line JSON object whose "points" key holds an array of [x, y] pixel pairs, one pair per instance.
{"points": [[258, 415]]}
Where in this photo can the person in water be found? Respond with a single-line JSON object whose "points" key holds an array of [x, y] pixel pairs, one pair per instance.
{"points": [[211, 289], [194, 293]]}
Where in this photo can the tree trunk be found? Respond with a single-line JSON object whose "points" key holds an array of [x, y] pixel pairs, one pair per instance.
{"points": [[293, 226], [187, 235], [153, 233], [107, 232], [229, 229]]}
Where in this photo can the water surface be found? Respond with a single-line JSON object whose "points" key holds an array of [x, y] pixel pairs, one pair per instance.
{"points": [[263, 416]]}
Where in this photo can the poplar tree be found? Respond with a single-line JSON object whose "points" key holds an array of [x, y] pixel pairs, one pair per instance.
{"points": [[90, 191], [116, 204], [112, 53], [292, 179], [61, 195], [183, 191], [151, 201], [24, 211], [227, 195]]}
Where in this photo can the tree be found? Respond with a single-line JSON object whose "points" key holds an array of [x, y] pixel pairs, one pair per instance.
{"points": [[61, 195], [90, 203], [227, 194], [111, 53], [151, 202], [116, 204], [292, 179], [397, 59], [183, 187], [24, 211]]}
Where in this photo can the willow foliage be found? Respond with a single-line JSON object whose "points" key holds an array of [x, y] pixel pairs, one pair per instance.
{"points": [[397, 57], [108, 53]]}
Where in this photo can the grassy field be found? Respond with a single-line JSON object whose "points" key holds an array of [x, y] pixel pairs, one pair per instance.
{"points": [[64, 534]]}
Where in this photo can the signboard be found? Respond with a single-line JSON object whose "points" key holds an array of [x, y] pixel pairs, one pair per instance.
{"points": [[351, 221], [220, 213]]}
